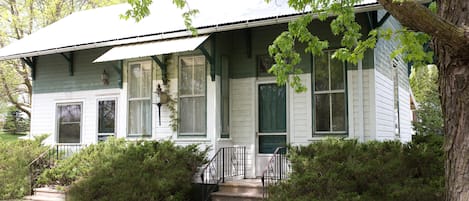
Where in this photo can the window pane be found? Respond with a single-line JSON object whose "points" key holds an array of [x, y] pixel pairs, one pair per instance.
{"points": [[321, 72], [140, 117], [185, 87], [338, 112], [135, 79], [199, 79], [337, 74], [322, 114], [106, 121], [272, 108], [192, 115], [268, 143], [69, 119], [146, 82]]}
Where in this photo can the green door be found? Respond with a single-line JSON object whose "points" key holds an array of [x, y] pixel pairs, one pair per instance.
{"points": [[272, 122]]}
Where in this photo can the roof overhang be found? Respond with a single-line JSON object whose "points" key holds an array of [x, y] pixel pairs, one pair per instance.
{"points": [[152, 48], [16, 52]]}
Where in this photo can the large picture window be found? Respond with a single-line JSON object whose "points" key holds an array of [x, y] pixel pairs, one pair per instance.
{"points": [[329, 97], [192, 81], [139, 99], [69, 122]]}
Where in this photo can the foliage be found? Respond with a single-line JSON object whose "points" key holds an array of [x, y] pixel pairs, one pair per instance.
{"points": [[119, 170], [345, 170], [423, 81], [14, 171], [15, 122]]}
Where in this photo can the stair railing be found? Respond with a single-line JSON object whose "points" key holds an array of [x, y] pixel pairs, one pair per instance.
{"points": [[48, 159], [276, 170], [227, 163]]}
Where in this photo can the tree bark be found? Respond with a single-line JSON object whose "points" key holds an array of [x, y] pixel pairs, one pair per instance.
{"points": [[451, 45]]}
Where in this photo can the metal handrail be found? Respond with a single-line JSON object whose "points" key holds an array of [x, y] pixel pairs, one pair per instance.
{"points": [[47, 160], [228, 162], [276, 170]]}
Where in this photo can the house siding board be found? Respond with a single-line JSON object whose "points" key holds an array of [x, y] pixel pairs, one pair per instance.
{"points": [[367, 106], [384, 88], [43, 119], [300, 113], [52, 73]]}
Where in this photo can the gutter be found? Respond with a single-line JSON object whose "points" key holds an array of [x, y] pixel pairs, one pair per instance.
{"points": [[180, 33]]}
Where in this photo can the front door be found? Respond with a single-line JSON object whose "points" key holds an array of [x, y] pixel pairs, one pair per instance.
{"points": [[271, 123]]}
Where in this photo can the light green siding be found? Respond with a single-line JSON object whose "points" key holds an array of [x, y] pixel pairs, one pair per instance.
{"points": [[52, 73]]}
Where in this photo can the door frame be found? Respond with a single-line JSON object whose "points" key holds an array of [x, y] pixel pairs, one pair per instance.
{"points": [[261, 160]]}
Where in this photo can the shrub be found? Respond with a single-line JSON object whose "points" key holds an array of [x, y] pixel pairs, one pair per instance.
{"points": [[345, 170], [14, 171], [119, 170]]}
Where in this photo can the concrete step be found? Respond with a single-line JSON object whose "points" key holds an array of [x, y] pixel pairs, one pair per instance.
{"points": [[228, 196], [242, 186], [46, 194], [239, 190], [49, 192]]}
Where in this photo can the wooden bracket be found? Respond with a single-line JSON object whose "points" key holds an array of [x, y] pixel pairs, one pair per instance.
{"points": [[31, 62], [163, 67], [69, 58]]}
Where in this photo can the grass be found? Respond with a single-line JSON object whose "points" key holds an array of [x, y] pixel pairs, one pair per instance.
{"points": [[9, 137]]}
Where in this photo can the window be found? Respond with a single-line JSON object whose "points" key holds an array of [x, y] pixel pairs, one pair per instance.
{"points": [[192, 81], [329, 97], [395, 79], [225, 99], [106, 119], [139, 97], [69, 122]]}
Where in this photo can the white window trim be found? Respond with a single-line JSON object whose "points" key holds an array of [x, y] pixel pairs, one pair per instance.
{"points": [[128, 80], [329, 92], [204, 95], [57, 130]]}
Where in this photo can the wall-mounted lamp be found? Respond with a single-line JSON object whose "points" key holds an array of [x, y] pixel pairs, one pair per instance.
{"points": [[161, 98], [105, 78]]}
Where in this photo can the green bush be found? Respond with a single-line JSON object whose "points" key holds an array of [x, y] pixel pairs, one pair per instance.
{"points": [[119, 170], [345, 170], [14, 171]]}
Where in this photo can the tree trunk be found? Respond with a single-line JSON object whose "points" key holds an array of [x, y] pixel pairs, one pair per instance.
{"points": [[454, 89], [450, 32]]}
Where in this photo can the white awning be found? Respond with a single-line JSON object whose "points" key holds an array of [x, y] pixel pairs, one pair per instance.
{"points": [[152, 48]]}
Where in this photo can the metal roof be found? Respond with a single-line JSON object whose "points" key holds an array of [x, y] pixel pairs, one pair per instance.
{"points": [[103, 27]]}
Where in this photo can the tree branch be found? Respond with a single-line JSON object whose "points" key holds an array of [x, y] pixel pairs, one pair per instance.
{"points": [[415, 16]]}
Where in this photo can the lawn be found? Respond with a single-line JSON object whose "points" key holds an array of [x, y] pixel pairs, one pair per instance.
{"points": [[9, 137]]}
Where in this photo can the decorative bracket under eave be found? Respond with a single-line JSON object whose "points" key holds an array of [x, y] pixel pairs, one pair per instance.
{"points": [[210, 58], [163, 67], [118, 68], [31, 62], [69, 58]]}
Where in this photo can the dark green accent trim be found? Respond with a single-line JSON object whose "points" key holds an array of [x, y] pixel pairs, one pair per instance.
{"points": [[371, 25], [383, 19], [118, 68], [163, 67], [69, 59], [210, 58], [31, 62], [249, 43]]}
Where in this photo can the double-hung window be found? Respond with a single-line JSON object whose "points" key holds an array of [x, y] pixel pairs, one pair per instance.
{"points": [[329, 96], [192, 86], [139, 99], [69, 122]]}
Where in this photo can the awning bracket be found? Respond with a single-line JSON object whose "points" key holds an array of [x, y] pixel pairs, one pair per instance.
{"points": [[210, 58], [162, 65], [69, 59], [383, 19], [118, 68], [31, 62]]}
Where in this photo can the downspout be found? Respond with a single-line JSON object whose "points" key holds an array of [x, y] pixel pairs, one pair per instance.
{"points": [[361, 120]]}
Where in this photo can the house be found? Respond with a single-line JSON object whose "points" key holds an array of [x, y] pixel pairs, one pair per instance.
{"points": [[96, 75]]}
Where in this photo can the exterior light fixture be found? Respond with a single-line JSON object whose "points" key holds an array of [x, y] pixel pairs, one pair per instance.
{"points": [[161, 98], [105, 78]]}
